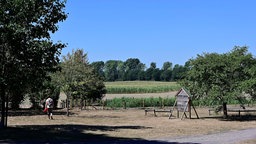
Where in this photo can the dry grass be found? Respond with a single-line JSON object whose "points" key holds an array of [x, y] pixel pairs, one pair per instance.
{"points": [[248, 142], [129, 124], [142, 95]]}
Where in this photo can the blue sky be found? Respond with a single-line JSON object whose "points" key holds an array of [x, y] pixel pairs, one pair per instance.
{"points": [[157, 30]]}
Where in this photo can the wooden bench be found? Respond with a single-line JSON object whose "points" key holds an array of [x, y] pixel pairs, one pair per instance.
{"points": [[241, 110], [156, 110]]}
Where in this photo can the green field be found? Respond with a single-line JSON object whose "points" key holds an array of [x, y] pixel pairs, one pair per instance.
{"points": [[121, 87]]}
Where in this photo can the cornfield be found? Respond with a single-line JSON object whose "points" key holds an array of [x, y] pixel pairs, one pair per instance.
{"points": [[128, 87]]}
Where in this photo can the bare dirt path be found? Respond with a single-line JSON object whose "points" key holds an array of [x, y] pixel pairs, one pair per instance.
{"points": [[231, 137], [143, 95]]}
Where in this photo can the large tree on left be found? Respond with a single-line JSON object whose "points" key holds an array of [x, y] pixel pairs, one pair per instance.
{"points": [[27, 52]]}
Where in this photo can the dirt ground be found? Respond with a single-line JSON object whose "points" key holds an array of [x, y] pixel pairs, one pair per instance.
{"points": [[142, 95], [134, 124]]}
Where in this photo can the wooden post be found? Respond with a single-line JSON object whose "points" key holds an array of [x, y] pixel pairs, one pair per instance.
{"points": [[184, 111], [195, 111], [84, 104], [102, 104], [189, 108], [162, 103], [87, 104], [171, 111], [124, 104]]}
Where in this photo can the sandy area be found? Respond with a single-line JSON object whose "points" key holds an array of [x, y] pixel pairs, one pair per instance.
{"points": [[134, 124]]}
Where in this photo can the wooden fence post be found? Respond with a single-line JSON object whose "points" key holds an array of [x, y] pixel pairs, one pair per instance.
{"points": [[124, 104]]}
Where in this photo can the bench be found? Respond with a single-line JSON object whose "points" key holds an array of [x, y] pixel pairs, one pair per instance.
{"points": [[156, 110], [241, 110]]}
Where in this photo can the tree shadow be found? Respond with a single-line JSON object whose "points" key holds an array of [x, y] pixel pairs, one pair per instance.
{"points": [[31, 112], [70, 134], [241, 118]]}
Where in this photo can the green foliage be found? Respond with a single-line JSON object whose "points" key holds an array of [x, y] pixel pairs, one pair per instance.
{"points": [[141, 87], [111, 71], [163, 102], [78, 78], [211, 103], [49, 89], [98, 68], [27, 53], [132, 69], [221, 77]]}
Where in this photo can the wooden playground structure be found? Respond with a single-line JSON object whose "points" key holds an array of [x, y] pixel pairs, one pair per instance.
{"points": [[183, 104]]}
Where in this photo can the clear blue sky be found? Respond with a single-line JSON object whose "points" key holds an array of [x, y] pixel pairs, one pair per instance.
{"points": [[157, 30]]}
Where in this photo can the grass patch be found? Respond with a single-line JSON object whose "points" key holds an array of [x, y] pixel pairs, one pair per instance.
{"points": [[128, 87], [126, 102]]}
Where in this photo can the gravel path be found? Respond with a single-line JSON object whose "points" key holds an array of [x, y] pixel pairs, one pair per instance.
{"points": [[231, 137]]}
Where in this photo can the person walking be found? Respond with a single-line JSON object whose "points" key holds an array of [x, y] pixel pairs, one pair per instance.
{"points": [[49, 105]]}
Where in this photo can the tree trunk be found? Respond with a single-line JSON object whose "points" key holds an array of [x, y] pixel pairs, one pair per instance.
{"points": [[3, 109], [2, 112], [224, 107], [68, 102]]}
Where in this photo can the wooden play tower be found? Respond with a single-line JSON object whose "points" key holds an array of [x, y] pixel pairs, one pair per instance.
{"points": [[183, 104]]}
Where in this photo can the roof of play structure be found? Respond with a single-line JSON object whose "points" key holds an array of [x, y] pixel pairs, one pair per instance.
{"points": [[183, 91]]}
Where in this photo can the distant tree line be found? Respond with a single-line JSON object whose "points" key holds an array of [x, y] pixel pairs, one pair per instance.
{"points": [[132, 69]]}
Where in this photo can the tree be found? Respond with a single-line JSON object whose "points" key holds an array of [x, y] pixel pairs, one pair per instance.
{"points": [[133, 67], [167, 66], [110, 68], [166, 71], [156, 74], [150, 71], [78, 78], [27, 53], [120, 70], [220, 77], [99, 67]]}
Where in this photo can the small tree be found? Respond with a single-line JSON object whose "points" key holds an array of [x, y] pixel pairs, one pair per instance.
{"points": [[78, 78]]}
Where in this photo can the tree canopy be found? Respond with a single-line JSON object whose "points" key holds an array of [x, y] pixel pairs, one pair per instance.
{"points": [[78, 79], [27, 52], [221, 77]]}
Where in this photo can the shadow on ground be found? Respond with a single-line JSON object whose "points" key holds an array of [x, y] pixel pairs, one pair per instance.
{"points": [[69, 134], [31, 112], [241, 118]]}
